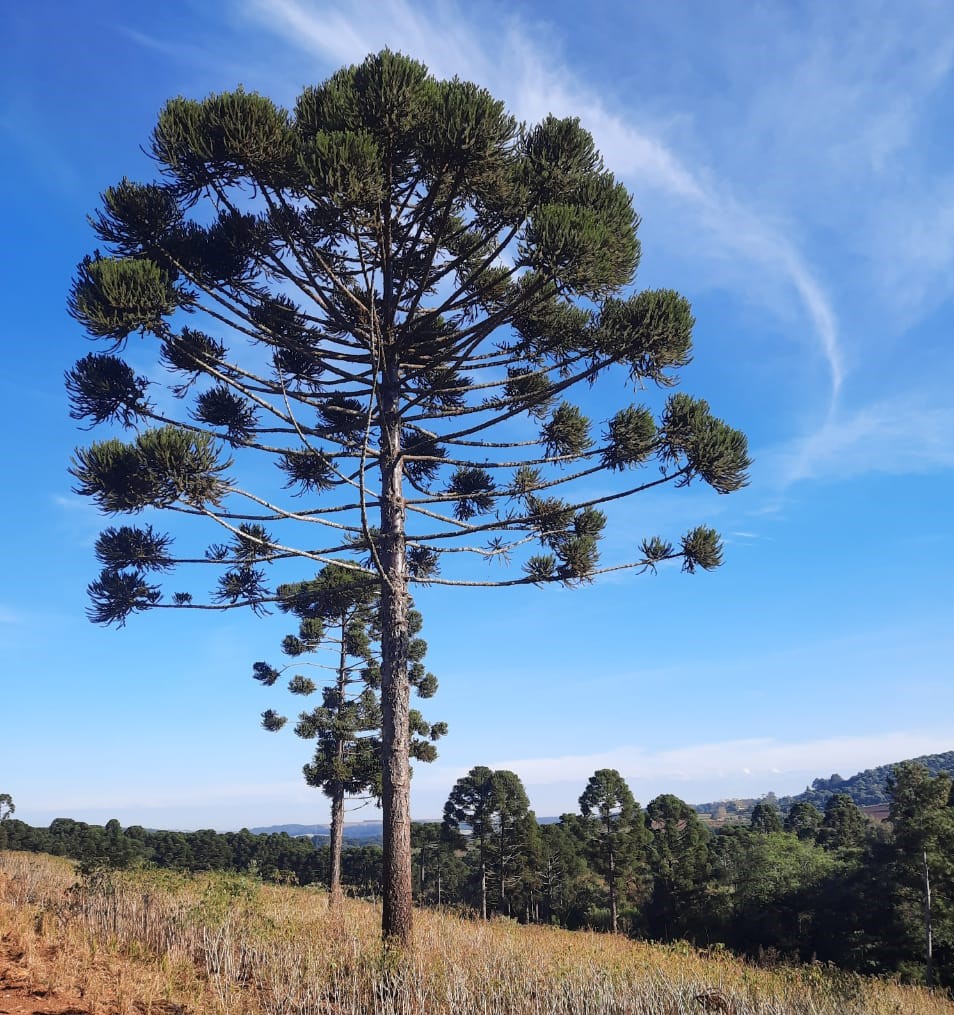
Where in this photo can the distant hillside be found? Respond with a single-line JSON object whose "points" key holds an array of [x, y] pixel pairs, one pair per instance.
{"points": [[867, 789], [355, 831]]}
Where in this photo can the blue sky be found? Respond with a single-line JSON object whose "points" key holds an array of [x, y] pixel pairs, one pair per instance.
{"points": [[793, 169]]}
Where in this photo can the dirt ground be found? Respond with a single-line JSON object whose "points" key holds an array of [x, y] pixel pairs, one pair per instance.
{"points": [[23, 992], [19, 995]]}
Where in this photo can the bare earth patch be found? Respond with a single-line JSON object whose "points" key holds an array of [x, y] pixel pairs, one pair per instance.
{"points": [[21, 995]]}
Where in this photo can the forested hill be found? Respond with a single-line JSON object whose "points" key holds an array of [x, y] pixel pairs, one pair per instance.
{"points": [[869, 787], [866, 789], [356, 831]]}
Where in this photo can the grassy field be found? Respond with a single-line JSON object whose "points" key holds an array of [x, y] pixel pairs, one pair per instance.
{"points": [[165, 944]]}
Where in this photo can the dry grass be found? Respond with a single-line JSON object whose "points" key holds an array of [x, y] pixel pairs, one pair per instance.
{"points": [[160, 943]]}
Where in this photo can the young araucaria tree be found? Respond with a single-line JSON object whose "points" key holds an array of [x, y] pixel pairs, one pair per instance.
{"points": [[391, 292], [616, 832], [339, 612]]}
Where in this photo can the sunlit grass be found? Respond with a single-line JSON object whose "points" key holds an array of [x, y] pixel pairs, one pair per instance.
{"points": [[159, 942]]}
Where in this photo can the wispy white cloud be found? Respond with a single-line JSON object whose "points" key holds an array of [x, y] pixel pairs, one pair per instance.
{"points": [[215, 63], [915, 248], [758, 763], [696, 772], [502, 56], [825, 120], [899, 436], [837, 123], [79, 511]]}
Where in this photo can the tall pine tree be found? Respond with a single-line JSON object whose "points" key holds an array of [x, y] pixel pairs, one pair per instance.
{"points": [[618, 835], [922, 817], [473, 803], [391, 293]]}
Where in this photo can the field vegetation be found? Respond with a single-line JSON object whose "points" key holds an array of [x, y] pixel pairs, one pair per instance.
{"points": [[806, 886], [160, 942]]}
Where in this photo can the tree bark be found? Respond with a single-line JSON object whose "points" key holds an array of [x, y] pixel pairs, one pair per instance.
{"points": [[503, 907], [423, 870], [928, 933], [612, 889], [337, 799], [397, 919], [337, 840], [483, 883]]}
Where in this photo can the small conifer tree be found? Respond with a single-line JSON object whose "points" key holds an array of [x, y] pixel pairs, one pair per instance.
{"points": [[339, 612]]}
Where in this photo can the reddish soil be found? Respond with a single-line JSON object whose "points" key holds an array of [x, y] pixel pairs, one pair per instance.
{"points": [[19, 995]]}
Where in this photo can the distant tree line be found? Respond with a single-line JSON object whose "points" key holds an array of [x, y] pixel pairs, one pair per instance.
{"points": [[797, 885], [274, 857]]}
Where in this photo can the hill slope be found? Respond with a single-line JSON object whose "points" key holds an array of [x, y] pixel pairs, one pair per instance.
{"points": [[869, 787], [355, 831]]}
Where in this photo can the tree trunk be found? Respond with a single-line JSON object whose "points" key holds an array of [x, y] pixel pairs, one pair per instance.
{"points": [[503, 884], [483, 883], [928, 936], [395, 690], [423, 871], [612, 890], [337, 799], [337, 839]]}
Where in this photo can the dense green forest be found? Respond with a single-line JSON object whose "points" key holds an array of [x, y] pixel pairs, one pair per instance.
{"points": [[790, 885]]}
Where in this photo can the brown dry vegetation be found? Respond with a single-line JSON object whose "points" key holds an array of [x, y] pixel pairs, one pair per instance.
{"points": [[154, 943]]}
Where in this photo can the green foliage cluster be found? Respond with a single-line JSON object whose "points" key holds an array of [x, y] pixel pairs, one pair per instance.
{"points": [[339, 612], [493, 807]]}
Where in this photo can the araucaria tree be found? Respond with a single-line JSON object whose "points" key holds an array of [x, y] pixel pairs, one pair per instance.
{"points": [[6, 809], [617, 833], [473, 802], [493, 806], [922, 818], [390, 292], [339, 612]]}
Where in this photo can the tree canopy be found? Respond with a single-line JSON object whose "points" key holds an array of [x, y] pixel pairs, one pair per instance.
{"points": [[390, 293], [616, 831], [487, 804]]}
